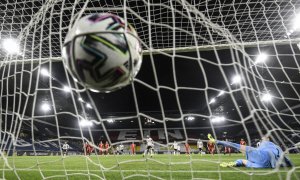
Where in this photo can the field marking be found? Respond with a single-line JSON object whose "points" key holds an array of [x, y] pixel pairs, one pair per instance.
{"points": [[159, 171]]}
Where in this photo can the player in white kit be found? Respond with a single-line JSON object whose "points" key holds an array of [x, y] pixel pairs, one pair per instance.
{"points": [[149, 146], [65, 148], [121, 148], [200, 146], [175, 146]]}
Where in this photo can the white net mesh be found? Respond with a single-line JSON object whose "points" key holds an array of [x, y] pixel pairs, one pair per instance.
{"points": [[185, 89]]}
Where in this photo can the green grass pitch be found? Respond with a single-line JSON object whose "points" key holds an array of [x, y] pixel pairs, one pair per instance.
{"points": [[137, 167]]}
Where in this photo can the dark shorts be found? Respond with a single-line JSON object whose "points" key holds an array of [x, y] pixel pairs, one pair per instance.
{"points": [[65, 150]]}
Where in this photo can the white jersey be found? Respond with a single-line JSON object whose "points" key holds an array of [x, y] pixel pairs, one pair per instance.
{"points": [[178, 147], [65, 147], [175, 145], [121, 147], [149, 141], [200, 144]]}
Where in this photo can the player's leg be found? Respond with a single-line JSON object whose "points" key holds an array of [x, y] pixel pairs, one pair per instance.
{"points": [[250, 164], [243, 163], [146, 151], [151, 151]]}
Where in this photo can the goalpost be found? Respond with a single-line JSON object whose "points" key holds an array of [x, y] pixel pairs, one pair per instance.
{"points": [[230, 68]]}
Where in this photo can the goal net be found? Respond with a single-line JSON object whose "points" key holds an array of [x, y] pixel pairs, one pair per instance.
{"points": [[229, 68]]}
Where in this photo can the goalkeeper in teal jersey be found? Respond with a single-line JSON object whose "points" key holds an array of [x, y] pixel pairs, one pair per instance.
{"points": [[267, 155]]}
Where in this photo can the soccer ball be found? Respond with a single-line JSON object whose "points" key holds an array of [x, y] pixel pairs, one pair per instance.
{"points": [[101, 54]]}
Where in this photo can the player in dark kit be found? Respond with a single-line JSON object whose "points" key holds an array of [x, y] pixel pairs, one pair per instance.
{"points": [[106, 148], [242, 142], [227, 149], [132, 148], [187, 149], [88, 149], [101, 147], [211, 147]]}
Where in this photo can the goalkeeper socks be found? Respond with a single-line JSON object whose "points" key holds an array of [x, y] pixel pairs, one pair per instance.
{"points": [[230, 144], [239, 162]]}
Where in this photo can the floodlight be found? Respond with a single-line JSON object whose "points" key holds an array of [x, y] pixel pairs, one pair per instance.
{"points": [[217, 119], [88, 105], [45, 72], [45, 107], [110, 120], [296, 22], [11, 46], [236, 79], [266, 97], [213, 100], [221, 93], [261, 58], [80, 99], [85, 123], [67, 89], [190, 118]]}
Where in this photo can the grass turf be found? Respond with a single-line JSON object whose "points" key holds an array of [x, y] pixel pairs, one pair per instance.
{"points": [[137, 167]]}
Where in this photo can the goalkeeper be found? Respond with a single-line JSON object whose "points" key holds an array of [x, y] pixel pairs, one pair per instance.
{"points": [[267, 155]]}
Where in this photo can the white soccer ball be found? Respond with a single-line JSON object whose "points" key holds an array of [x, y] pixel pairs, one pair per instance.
{"points": [[100, 54]]}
